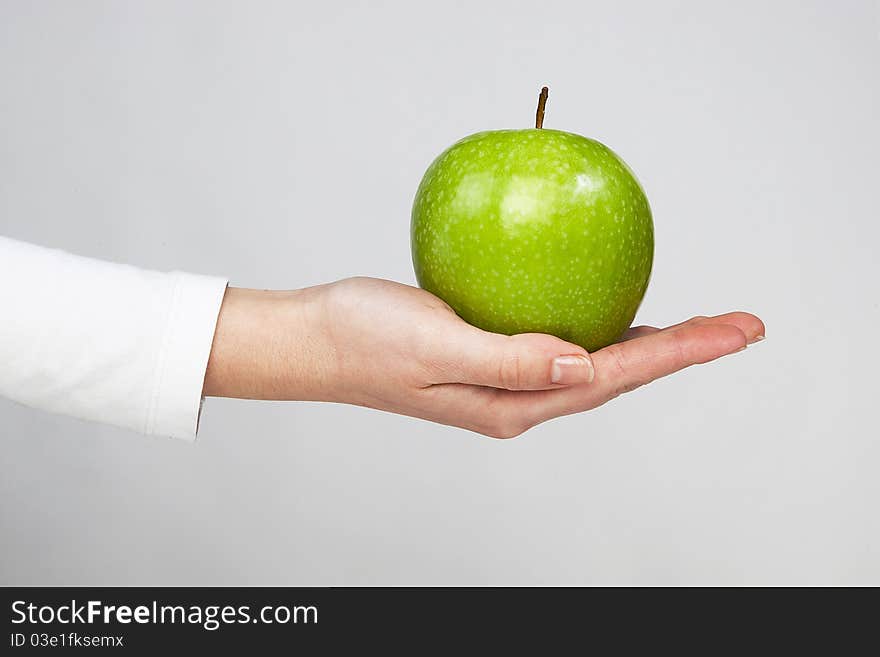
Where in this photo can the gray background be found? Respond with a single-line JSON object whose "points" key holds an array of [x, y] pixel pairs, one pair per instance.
{"points": [[280, 144]]}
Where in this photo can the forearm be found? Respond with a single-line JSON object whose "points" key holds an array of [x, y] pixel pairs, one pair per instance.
{"points": [[268, 345]]}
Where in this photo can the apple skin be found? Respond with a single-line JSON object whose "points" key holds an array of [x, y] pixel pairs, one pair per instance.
{"points": [[534, 231]]}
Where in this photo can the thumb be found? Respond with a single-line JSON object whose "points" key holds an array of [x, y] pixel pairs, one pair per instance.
{"points": [[528, 361]]}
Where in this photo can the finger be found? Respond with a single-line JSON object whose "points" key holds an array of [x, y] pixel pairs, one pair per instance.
{"points": [[749, 324], [639, 332], [529, 361], [628, 365]]}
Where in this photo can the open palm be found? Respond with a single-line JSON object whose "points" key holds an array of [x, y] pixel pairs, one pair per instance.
{"points": [[401, 349]]}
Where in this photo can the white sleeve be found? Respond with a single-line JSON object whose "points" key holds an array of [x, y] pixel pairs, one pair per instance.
{"points": [[103, 341]]}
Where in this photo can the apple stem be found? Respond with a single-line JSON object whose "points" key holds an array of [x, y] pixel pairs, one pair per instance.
{"points": [[542, 103]]}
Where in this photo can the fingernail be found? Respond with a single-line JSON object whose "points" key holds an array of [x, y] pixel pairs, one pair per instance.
{"points": [[757, 338], [569, 370]]}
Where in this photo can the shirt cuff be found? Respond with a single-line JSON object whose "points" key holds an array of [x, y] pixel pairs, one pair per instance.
{"points": [[176, 399]]}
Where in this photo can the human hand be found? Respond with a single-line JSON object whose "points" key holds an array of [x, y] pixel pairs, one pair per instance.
{"points": [[398, 348]]}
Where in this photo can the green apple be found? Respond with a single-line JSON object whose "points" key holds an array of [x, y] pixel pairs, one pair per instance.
{"points": [[534, 231]]}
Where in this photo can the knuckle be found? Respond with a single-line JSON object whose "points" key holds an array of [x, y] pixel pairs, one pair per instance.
{"points": [[505, 428], [617, 361], [504, 432], [504, 416], [681, 356], [625, 380], [510, 371]]}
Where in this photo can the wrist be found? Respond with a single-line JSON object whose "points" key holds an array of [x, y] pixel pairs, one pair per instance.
{"points": [[269, 344]]}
